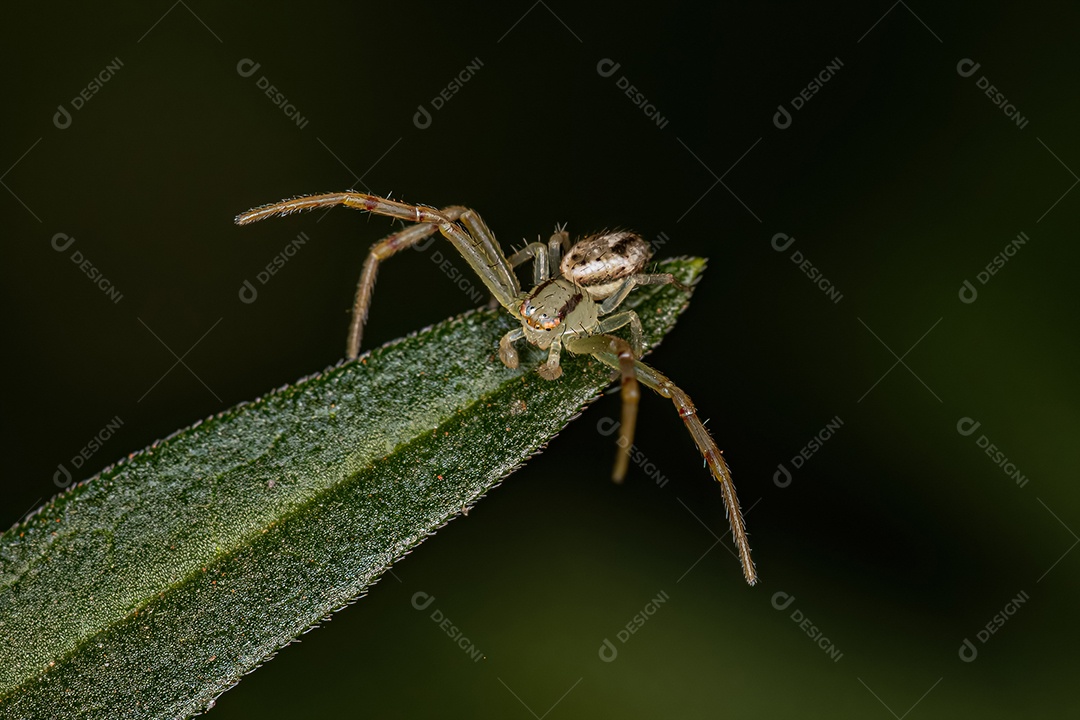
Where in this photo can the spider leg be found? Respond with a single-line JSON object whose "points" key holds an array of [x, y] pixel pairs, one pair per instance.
{"points": [[479, 252], [381, 251], [538, 253], [495, 255], [507, 353], [618, 320], [621, 356], [550, 369], [558, 243], [546, 257], [349, 198], [654, 379], [615, 299]]}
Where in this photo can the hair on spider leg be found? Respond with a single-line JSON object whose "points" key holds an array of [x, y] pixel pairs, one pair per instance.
{"points": [[571, 306]]}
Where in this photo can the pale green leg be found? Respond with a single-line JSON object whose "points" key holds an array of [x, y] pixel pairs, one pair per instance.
{"points": [[613, 301], [546, 257], [618, 320], [486, 239], [538, 253], [550, 369], [610, 346], [507, 353]]}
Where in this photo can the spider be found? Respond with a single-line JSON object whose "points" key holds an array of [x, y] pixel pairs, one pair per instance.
{"points": [[572, 305]]}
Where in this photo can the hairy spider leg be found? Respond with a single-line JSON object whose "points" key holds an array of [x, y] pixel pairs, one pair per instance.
{"points": [[618, 320], [348, 198], [546, 257], [381, 251], [558, 243], [653, 378], [615, 299], [475, 250], [538, 253], [495, 255], [622, 359]]}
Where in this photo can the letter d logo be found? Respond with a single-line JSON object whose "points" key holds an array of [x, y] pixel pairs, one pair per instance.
{"points": [[61, 478], [781, 478], [966, 426]]}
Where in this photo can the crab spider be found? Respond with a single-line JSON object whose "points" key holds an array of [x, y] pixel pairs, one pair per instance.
{"points": [[571, 306]]}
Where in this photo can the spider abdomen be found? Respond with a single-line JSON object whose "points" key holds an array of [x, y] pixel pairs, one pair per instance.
{"points": [[599, 263]]}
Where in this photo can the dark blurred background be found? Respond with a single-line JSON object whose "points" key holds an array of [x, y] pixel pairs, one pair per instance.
{"points": [[908, 568]]}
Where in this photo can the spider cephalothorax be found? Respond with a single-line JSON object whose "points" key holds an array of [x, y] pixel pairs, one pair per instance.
{"points": [[576, 290], [556, 305]]}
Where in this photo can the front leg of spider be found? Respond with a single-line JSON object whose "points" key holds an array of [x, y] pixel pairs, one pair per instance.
{"points": [[507, 353], [471, 238], [550, 369], [618, 320]]}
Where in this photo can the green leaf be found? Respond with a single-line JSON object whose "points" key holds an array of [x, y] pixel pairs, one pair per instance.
{"points": [[151, 588]]}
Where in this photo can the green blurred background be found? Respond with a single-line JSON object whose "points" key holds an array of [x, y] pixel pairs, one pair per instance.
{"points": [[899, 179]]}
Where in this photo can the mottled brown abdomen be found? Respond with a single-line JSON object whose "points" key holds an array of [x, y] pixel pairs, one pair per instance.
{"points": [[599, 263]]}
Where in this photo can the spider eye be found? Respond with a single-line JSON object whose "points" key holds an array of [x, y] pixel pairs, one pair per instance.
{"points": [[548, 322]]}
